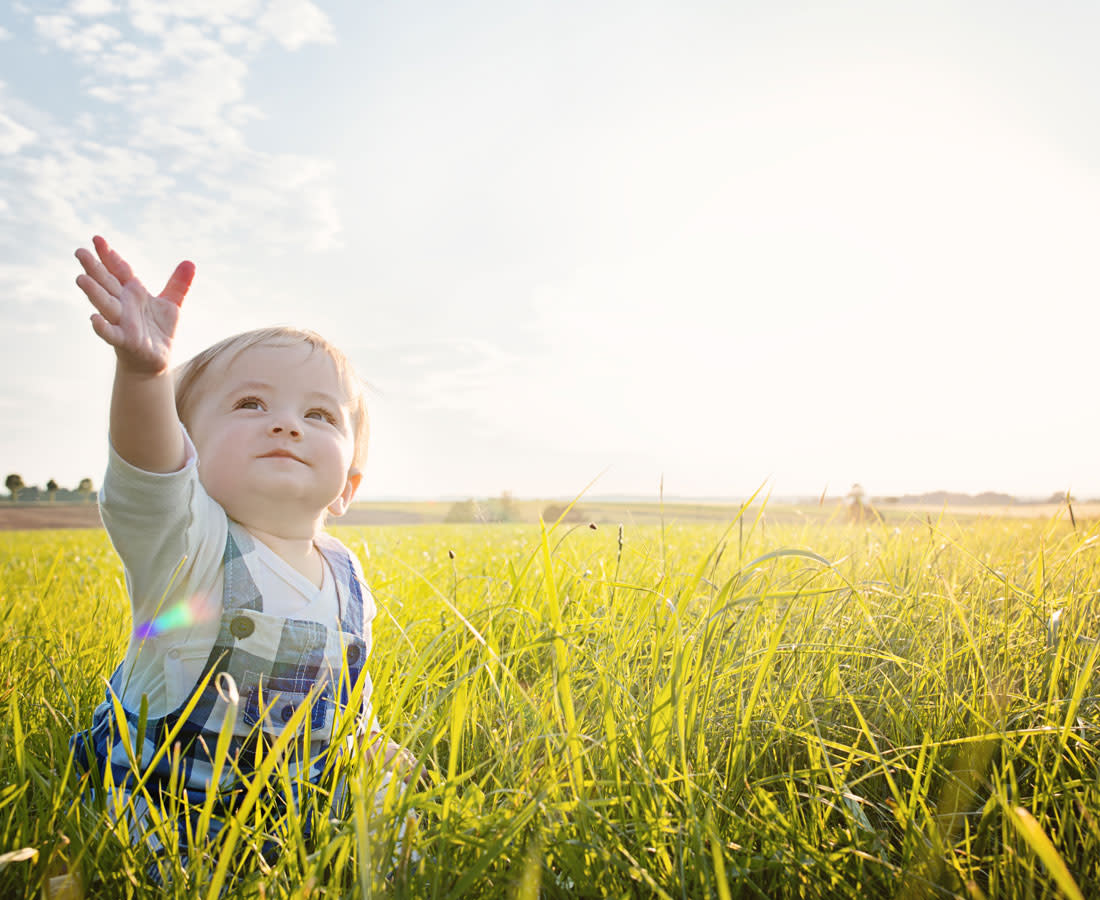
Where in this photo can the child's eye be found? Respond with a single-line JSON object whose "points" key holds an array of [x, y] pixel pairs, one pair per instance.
{"points": [[323, 414], [249, 403]]}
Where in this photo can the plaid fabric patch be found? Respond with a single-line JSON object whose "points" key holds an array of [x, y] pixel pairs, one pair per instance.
{"points": [[276, 665]]}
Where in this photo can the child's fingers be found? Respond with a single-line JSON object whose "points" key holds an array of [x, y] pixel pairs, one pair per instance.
{"points": [[115, 264], [112, 334], [108, 306], [176, 288], [403, 763], [98, 273]]}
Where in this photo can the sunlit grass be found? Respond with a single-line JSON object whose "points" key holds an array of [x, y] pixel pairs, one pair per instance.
{"points": [[701, 711]]}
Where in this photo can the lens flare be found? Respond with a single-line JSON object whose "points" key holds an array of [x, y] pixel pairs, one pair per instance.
{"points": [[183, 614]]}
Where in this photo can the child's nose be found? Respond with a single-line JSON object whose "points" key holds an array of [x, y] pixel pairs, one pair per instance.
{"points": [[285, 428]]}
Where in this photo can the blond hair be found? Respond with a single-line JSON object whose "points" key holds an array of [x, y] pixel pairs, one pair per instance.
{"points": [[188, 375]]}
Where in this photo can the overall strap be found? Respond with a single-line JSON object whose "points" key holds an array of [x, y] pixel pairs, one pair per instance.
{"points": [[351, 618], [348, 585], [239, 591], [350, 590]]}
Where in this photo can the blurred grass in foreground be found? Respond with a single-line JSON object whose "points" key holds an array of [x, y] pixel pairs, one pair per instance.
{"points": [[678, 711]]}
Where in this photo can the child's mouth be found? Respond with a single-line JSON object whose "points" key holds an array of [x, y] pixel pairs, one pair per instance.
{"points": [[281, 454]]}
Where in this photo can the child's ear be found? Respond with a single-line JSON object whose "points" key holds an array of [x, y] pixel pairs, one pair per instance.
{"points": [[340, 505]]}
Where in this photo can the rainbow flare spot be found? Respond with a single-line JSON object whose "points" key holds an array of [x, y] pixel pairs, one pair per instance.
{"points": [[182, 615]]}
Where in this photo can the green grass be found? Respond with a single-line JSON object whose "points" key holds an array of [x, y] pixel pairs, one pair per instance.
{"points": [[815, 710]]}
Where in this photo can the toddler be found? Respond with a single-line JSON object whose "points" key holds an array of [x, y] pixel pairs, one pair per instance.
{"points": [[216, 493]]}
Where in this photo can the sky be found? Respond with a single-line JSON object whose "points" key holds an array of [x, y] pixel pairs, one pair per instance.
{"points": [[714, 245]]}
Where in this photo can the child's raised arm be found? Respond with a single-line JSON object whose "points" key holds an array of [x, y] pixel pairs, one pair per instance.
{"points": [[144, 428]]}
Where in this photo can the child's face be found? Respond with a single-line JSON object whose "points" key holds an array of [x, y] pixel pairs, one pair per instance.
{"points": [[274, 434]]}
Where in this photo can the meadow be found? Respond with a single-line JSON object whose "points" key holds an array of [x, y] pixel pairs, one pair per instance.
{"points": [[738, 709]]}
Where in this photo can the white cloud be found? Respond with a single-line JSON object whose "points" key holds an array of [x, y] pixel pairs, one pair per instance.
{"points": [[106, 94], [243, 113], [283, 200], [452, 374], [57, 194], [158, 160], [56, 28], [294, 23], [151, 16], [176, 101], [93, 7], [239, 34], [13, 136], [146, 20], [86, 41], [184, 80], [127, 60], [4, 34]]}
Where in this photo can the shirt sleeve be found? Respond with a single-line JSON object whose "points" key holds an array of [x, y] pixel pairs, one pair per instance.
{"points": [[163, 527]]}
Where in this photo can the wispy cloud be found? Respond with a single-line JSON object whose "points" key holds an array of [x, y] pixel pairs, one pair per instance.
{"points": [[93, 7], [159, 148], [456, 374], [13, 136], [294, 23]]}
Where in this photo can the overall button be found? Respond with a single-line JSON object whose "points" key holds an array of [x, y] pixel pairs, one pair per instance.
{"points": [[242, 627], [353, 655], [287, 712]]}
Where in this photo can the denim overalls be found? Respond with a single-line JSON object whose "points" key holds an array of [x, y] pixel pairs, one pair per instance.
{"points": [[275, 664]]}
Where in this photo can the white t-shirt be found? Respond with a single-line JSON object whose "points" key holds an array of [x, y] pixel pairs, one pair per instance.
{"points": [[171, 535]]}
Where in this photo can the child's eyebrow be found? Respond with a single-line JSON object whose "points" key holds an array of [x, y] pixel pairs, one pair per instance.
{"points": [[250, 386], [325, 398]]}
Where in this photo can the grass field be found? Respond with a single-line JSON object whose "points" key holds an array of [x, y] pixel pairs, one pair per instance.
{"points": [[30, 516], [789, 709]]}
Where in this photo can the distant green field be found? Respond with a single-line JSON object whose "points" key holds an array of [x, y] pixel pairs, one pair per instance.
{"points": [[803, 709]]}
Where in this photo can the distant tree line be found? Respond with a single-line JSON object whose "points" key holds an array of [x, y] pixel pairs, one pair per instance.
{"points": [[19, 492], [505, 509], [495, 509], [563, 511]]}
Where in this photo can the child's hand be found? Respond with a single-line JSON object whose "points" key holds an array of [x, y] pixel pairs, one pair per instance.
{"points": [[393, 756], [138, 325]]}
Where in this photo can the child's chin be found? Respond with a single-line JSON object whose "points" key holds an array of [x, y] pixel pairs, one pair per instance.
{"points": [[274, 499]]}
